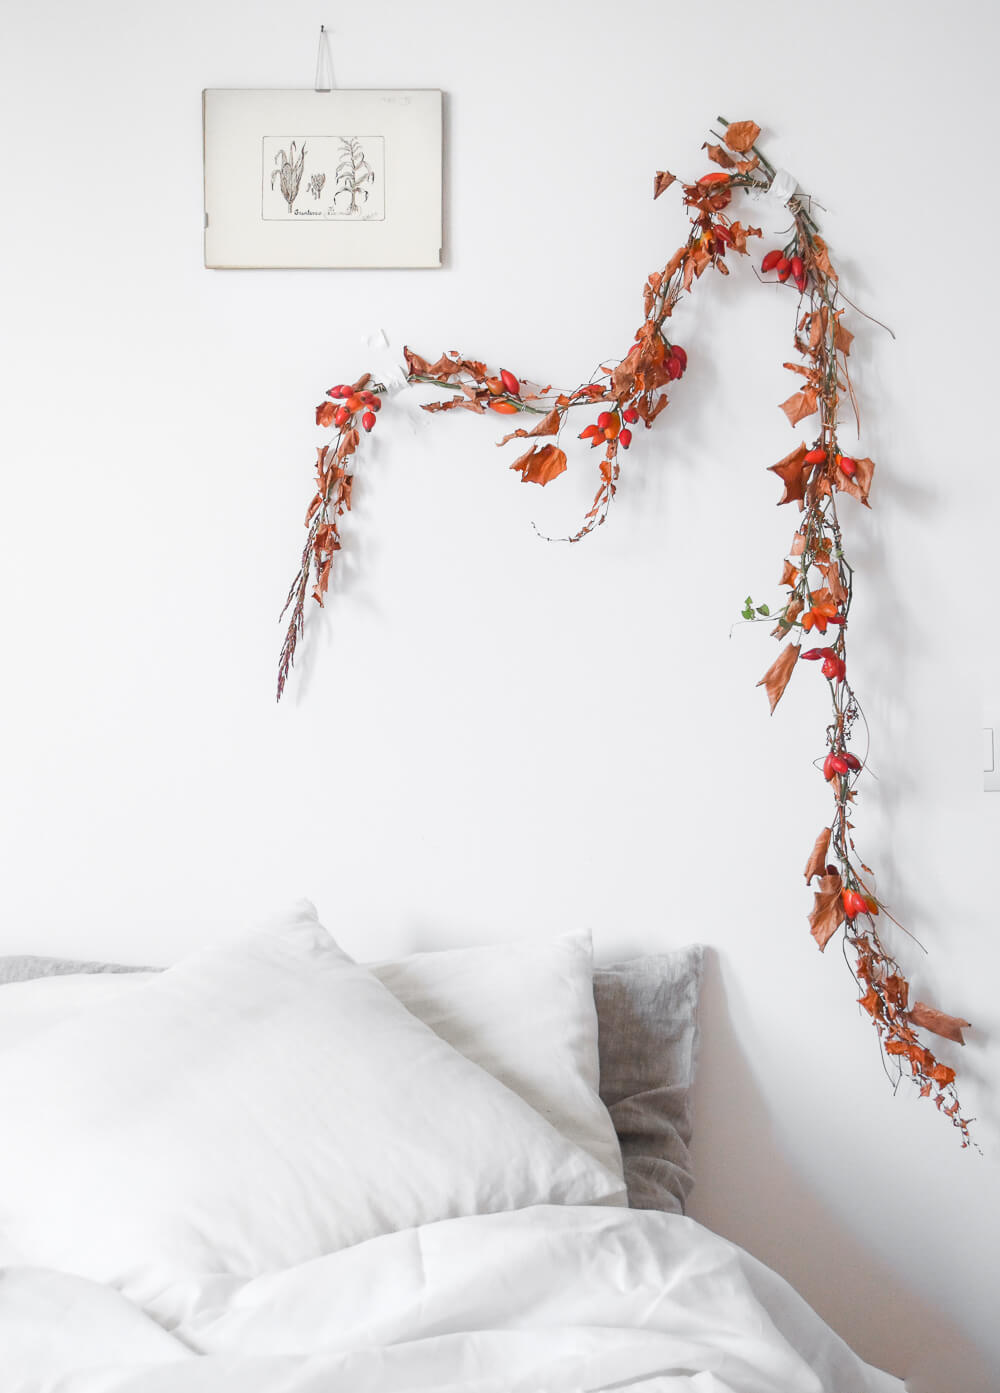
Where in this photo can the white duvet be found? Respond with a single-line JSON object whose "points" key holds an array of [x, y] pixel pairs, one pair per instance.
{"points": [[547, 1299]]}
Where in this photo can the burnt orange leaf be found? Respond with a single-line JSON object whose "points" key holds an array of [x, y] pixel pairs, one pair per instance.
{"points": [[816, 865], [742, 135], [785, 621], [942, 1074], [828, 908], [541, 464], [548, 425], [842, 338], [779, 674], [859, 486], [661, 182], [948, 1027], [800, 405], [789, 574], [325, 413], [822, 257], [719, 155], [872, 1002], [793, 473]]}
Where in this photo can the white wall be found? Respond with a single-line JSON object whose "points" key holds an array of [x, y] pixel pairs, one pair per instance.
{"points": [[487, 736]]}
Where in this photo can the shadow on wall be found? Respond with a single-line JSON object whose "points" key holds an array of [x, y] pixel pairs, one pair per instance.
{"points": [[747, 1191]]}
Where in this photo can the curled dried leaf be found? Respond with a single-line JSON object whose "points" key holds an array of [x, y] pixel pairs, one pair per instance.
{"points": [[793, 471], [800, 405], [548, 425], [929, 1018], [661, 182], [779, 674], [741, 136], [827, 913], [816, 865], [719, 155], [541, 464]]}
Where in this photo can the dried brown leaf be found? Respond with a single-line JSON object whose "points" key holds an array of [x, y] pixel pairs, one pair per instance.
{"points": [[548, 425], [719, 155], [793, 473], [741, 136], [827, 913], [661, 182], [541, 464], [816, 865], [929, 1018], [779, 674], [800, 405]]}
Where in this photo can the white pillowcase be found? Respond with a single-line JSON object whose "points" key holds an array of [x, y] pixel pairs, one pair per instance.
{"points": [[259, 1104], [524, 1012]]}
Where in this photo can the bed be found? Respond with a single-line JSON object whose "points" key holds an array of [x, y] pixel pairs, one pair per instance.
{"points": [[271, 1169]]}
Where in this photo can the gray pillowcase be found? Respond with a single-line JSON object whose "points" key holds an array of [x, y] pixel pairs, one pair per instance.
{"points": [[647, 1015], [26, 969]]}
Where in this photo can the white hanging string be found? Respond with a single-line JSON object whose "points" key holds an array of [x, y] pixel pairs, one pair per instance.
{"points": [[324, 63]]}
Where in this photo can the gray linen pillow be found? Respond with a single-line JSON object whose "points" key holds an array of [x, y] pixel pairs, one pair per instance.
{"points": [[647, 1013], [26, 969], [647, 1016]]}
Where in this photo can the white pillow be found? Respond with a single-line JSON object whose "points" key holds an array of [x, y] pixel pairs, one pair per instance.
{"points": [[524, 1012], [273, 1102]]}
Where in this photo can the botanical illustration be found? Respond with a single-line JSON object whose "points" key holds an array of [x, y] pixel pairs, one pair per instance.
{"points": [[354, 174], [817, 581], [331, 177], [289, 172]]}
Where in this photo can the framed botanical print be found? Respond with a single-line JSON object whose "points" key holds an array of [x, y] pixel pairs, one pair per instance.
{"points": [[320, 179]]}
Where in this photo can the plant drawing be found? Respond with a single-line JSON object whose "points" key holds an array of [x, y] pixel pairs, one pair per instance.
{"points": [[353, 173], [315, 185], [817, 478], [289, 172]]}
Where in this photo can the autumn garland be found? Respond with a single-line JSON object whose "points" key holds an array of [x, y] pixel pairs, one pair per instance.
{"points": [[816, 575]]}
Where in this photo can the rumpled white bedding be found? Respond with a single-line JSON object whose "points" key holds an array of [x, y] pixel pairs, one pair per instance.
{"points": [[548, 1299]]}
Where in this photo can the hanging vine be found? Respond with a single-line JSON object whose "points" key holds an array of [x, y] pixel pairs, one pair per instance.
{"points": [[816, 577]]}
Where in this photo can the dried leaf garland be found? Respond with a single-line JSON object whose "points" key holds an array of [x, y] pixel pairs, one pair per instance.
{"points": [[815, 572]]}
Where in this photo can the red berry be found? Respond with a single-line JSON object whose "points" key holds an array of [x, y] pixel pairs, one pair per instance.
{"points": [[588, 432], [771, 260], [368, 420], [816, 455], [341, 390], [854, 904], [852, 760], [341, 416], [375, 403], [834, 668], [834, 764], [673, 368], [847, 465], [631, 415], [510, 382], [784, 269], [604, 420], [625, 438], [681, 355], [811, 655], [798, 268]]}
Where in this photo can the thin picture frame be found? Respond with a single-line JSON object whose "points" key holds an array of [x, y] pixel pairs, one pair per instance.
{"points": [[303, 179]]}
